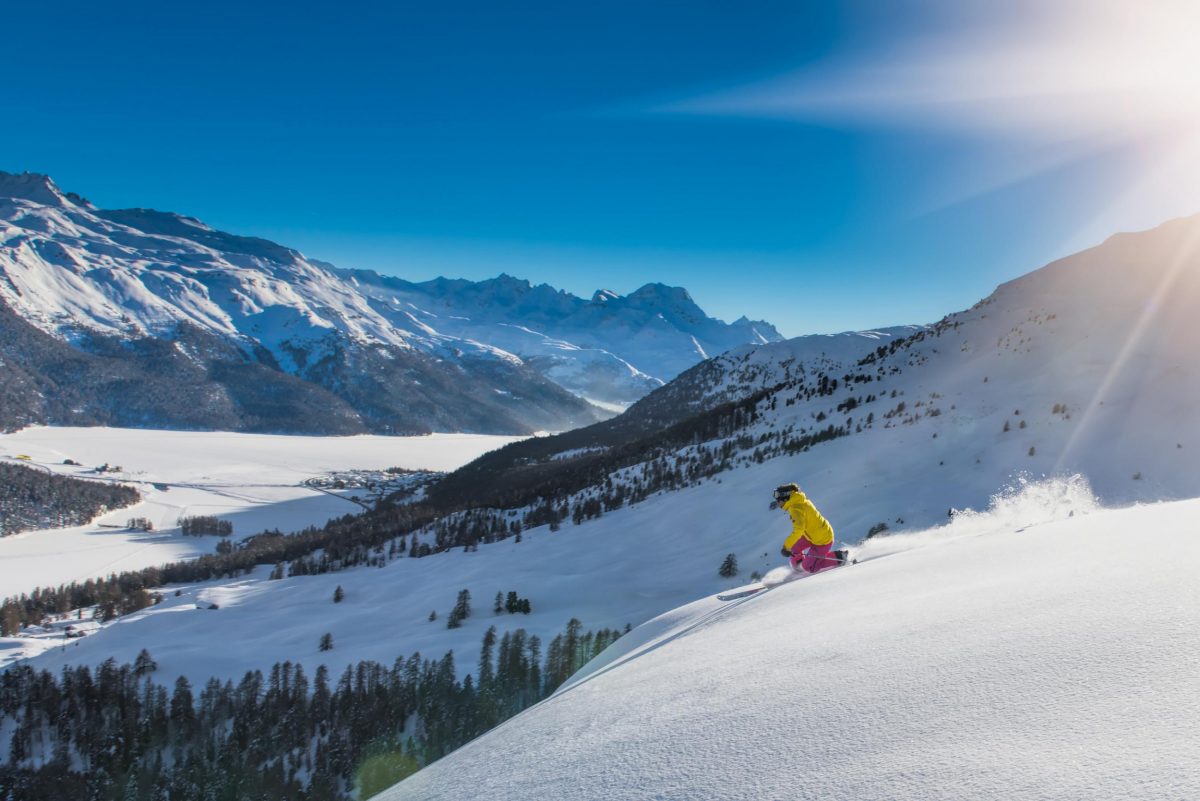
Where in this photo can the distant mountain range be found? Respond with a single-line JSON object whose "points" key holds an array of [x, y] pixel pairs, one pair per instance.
{"points": [[145, 318]]}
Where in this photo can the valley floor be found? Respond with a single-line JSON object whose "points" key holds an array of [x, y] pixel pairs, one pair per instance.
{"points": [[255, 481]]}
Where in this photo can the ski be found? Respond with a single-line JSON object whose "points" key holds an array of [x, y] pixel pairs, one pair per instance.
{"points": [[746, 593]]}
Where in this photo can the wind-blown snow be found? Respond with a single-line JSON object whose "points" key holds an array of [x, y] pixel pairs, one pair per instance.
{"points": [[1023, 504], [985, 660]]}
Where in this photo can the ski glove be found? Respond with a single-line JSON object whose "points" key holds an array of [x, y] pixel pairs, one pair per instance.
{"points": [[786, 551]]}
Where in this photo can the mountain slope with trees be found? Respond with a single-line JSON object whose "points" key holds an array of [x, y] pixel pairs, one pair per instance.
{"points": [[32, 499], [275, 734]]}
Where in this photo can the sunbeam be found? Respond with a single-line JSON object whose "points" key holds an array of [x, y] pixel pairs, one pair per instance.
{"points": [[1170, 276], [1043, 86]]}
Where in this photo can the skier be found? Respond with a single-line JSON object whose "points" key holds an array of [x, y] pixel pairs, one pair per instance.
{"points": [[810, 545]]}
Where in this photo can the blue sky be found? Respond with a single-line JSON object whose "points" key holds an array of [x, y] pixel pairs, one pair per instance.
{"points": [[825, 166]]}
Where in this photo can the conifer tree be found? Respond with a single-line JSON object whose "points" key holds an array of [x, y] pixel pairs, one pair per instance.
{"points": [[144, 663], [183, 712], [485, 657], [461, 610], [729, 567], [10, 619]]}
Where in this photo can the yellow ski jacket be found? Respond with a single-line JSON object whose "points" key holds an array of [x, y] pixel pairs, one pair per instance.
{"points": [[806, 522]]}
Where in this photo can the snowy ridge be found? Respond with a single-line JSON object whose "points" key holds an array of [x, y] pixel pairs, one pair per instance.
{"points": [[138, 272], [749, 368], [614, 348]]}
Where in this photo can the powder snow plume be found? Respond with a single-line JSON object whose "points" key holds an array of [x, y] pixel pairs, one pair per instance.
{"points": [[1026, 502], [777, 575]]}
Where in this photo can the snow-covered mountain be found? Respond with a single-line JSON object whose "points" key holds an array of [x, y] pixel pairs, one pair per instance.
{"points": [[759, 369], [235, 323], [612, 348]]}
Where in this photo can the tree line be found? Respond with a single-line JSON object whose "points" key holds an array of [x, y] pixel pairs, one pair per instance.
{"points": [[205, 525], [114, 734]]}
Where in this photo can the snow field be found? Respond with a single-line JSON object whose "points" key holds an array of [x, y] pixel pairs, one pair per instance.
{"points": [[1053, 662], [253, 480]]}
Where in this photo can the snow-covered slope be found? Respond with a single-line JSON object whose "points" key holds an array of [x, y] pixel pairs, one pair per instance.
{"points": [[82, 274], [745, 370], [974, 661]]}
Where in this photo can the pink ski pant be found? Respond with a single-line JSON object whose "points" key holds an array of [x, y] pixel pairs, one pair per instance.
{"points": [[813, 558]]}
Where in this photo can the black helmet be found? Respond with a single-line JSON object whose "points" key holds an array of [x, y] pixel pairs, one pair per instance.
{"points": [[784, 491]]}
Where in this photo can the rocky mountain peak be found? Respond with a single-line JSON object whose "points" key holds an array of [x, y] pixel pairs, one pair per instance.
{"points": [[661, 294], [35, 187]]}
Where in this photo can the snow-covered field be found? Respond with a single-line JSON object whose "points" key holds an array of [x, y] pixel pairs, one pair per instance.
{"points": [[986, 658], [253, 480]]}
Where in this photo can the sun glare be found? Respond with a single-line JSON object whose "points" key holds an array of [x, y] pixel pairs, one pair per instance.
{"points": [[1052, 83]]}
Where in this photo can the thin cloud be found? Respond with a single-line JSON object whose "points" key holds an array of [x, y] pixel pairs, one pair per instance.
{"points": [[1099, 69], [1042, 86]]}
